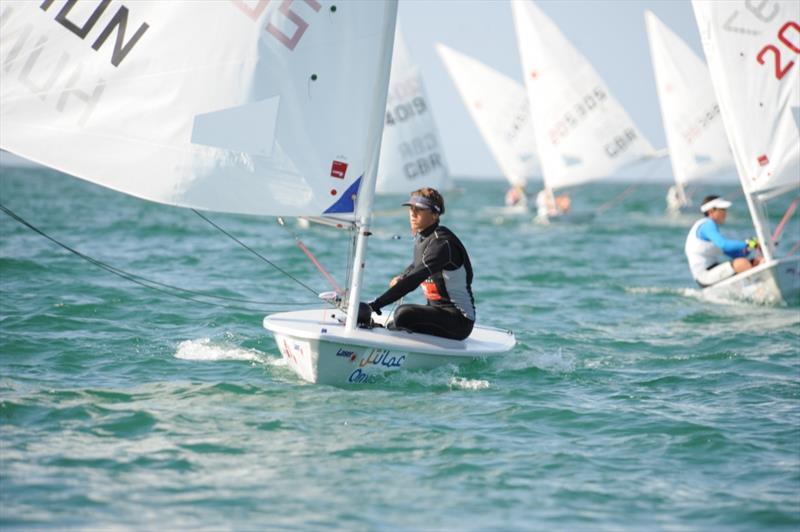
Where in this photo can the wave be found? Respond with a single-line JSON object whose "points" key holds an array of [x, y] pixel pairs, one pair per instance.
{"points": [[556, 362], [686, 292], [206, 350]]}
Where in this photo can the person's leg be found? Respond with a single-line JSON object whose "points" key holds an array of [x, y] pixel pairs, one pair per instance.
{"points": [[741, 265], [716, 274], [427, 319]]}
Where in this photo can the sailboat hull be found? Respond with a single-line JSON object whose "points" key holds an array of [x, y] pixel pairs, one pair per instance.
{"points": [[772, 283], [317, 347]]}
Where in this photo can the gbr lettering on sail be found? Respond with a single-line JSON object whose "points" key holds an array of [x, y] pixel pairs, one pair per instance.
{"points": [[114, 29]]}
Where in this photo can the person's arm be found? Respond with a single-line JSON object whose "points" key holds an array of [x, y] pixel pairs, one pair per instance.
{"points": [[433, 261], [403, 286], [733, 248]]}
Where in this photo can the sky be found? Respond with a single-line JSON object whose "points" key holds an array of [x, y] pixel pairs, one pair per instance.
{"points": [[609, 33]]}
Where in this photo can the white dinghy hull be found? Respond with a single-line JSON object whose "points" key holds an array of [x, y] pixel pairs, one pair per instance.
{"points": [[775, 282], [317, 347]]}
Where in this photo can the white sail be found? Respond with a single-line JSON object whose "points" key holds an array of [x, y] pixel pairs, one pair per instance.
{"points": [[752, 51], [411, 150], [499, 107], [698, 144], [252, 107], [582, 132]]}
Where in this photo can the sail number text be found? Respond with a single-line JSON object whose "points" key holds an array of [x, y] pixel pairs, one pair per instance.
{"points": [[289, 29], [698, 125], [788, 35], [420, 154], [577, 113], [783, 37], [518, 122], [403, 111]]}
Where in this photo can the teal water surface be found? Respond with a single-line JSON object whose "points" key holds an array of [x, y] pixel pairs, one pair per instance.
{"points": [[629, 402]]}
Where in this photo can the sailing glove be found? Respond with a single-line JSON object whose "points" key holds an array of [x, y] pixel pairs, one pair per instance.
{"points": [[365, 311]]}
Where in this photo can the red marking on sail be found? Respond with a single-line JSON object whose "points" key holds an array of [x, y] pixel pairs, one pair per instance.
{"points": [[763, 160], [338, 169], [534, 74]]}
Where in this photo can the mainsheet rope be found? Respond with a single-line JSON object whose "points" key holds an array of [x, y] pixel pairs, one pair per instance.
{"points": [[256, 253], [157, 286]]}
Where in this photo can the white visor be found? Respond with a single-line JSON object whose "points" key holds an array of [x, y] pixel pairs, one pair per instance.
{"points": [[717, 203]]}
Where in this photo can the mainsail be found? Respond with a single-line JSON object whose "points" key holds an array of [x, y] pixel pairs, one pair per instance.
{"points": [[698, 144], [411, 150], [582, 132], [752, 51], [253, 107], [499, 107]]}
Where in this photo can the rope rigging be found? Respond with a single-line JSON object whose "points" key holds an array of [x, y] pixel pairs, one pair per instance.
{"points": [[619, 198], [171, 290], [256, 253], [341, 294]]}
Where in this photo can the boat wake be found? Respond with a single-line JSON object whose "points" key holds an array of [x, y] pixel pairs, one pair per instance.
{"points": [[463, 383], [443, 376], [686, 292], [206, 350]]}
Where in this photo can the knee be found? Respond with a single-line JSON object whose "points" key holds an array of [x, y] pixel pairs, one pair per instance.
{"points": [[740, 265], [402, 315]]}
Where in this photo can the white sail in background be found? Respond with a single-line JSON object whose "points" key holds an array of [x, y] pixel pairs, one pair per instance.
{"points": [[411, 151], [251, 107], [582, 132], [698, 144], [499, 107], [752, 51]]}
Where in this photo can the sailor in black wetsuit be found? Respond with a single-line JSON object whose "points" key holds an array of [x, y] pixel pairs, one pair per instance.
{"points": [[441, 265]]}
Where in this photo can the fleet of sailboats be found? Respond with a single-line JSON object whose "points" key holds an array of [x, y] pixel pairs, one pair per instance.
{"points": [[309, 110], [698, 144]]}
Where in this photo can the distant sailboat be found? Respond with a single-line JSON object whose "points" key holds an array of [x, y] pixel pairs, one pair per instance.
{"points": [[752, 53], [276, 109], [499, 107], [698, 144], [411, 149], [582, 132]]}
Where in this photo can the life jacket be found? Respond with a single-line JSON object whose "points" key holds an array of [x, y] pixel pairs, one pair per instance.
{"points": [[700, 253]]}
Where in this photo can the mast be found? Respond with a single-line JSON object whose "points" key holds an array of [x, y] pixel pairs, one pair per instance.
{"points": [[760, 224], [366, 194], [681, 193]]}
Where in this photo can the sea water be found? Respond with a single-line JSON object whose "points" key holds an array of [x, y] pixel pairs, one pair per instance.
{"points": [[629, 402]]}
